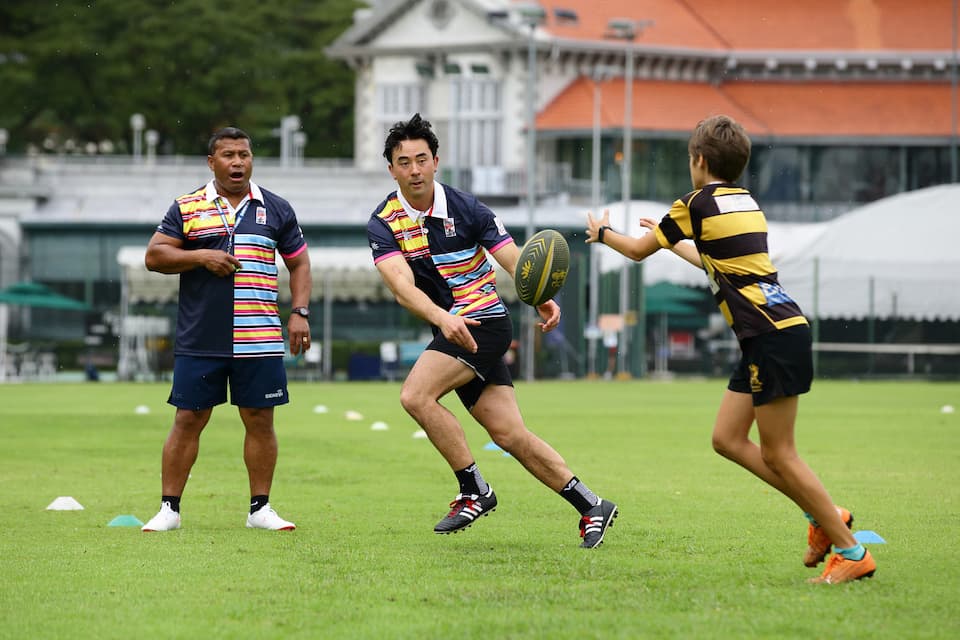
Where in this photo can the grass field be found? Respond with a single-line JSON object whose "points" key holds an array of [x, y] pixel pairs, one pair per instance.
{"points": [[701, 549]]}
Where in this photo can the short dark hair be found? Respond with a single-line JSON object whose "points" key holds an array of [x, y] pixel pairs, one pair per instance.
{"points": [[416, 128], [232, 133], [724, 144]]}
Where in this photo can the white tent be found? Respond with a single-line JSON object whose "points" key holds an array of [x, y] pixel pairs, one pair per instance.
{"points": [[339, 273], [784, 239], [894, 258], [348, 274]]}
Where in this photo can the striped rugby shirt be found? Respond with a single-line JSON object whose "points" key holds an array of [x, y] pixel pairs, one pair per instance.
{"points": [[730, 232], [444, 247], [234, 316]]}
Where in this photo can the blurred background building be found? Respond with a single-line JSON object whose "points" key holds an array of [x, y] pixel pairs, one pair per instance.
{"points": [[848, 102]]}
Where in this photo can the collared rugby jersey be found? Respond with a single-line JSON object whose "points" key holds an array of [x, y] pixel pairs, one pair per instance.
{"points": [[730, 232], [233, 316], [445, 249]]}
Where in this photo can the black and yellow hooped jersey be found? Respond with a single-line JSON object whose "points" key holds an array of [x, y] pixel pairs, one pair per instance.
{"points": [[730, 232]]}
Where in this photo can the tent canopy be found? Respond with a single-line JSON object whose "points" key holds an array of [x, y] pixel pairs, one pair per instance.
{"points": [[893, 258], [783, 239], [347, 273], [34, 294]]}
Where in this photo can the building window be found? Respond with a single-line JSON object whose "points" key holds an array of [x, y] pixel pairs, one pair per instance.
{"points": [[477, 123], [396, 102]]}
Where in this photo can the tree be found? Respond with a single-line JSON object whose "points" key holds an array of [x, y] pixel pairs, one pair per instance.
{"points": [[77, 70]]}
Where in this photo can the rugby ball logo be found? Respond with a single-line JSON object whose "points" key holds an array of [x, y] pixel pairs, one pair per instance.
{"points": [[542, 267]]}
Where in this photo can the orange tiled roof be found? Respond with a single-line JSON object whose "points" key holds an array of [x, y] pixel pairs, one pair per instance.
{"points": [[827, 25], [778, 109], [849, 109]]}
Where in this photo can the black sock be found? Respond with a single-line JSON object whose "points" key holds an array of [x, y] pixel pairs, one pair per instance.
{"points": [[471, 482], [258, 502], [174, 502], [577, 494]]}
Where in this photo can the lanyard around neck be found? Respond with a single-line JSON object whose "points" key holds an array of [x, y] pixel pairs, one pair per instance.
{"points": [[237, 217]]}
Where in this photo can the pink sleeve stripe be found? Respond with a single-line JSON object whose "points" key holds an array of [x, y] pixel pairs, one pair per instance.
{"points": [[387, 255], [295, 253], [499, 246]]}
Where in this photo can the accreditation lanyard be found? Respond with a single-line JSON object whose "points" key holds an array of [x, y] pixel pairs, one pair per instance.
{"points": [[237, 217]]}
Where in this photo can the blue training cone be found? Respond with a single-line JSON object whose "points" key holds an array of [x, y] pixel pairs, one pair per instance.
{"points": [[492, 446], [868, 537], [125, 521]]}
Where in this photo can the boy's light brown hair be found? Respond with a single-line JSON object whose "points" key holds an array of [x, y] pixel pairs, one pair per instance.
{"points": [[723, 144]]}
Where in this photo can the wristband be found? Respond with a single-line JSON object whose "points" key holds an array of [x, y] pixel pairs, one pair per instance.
{"points": [[600, 233]]}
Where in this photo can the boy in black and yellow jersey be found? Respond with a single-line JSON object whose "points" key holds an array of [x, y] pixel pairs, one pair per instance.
{"points": [[729, 234]]}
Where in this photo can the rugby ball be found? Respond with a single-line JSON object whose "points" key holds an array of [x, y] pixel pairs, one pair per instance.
{"points": [[542, 267]]}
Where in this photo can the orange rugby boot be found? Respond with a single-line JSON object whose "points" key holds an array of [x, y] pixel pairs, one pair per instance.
{"points": [[839, 569], [818, 543]]}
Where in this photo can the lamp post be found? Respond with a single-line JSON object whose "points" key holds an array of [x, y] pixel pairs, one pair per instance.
{"points": [[593, 303], [137, 123], [288, 125], [953, 98], [627, 30], [298, 141], [152, 138], [531, 15], [452, 71]]}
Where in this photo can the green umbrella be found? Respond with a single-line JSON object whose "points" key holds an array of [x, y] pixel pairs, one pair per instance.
{"points": [[672, 307], [673, 292], [34, 294], [30, 294]]}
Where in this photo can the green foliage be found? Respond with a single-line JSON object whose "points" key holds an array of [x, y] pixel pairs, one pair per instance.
{"points": [[702, 549], [77, 70]]}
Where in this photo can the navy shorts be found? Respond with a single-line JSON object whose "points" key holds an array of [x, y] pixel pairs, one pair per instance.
{"points": [[493, 338], [201, 383], [775, 365]]}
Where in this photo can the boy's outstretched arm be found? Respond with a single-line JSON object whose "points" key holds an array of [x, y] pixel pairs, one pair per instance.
{"points": [[686, 250], [633, 248]]}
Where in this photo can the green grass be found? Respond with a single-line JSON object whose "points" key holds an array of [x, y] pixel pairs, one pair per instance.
{"points": [[701, 550]]}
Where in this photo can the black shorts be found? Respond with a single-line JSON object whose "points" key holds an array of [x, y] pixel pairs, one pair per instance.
{"points": [[493, 338], [201, 382], [775, 365]]}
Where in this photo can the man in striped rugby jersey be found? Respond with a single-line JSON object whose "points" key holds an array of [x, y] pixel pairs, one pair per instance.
{"points": [[428, 242], [223, 239], [729, 234]]}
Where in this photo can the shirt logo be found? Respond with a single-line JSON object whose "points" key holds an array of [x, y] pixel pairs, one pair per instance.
{"points": [[261, 215], [500, 228], [774, 294], [449, 229], [755, 385]]}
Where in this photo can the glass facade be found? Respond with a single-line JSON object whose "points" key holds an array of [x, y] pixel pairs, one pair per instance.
{"points": [[806, 177]]}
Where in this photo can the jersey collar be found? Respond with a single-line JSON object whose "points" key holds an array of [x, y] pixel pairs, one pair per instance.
{"points": [[210, 193], [438, 210]]}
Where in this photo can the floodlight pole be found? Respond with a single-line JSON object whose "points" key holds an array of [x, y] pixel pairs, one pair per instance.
{"points": [[593, 302], [623, 364], [137, 124], [532, 17], [453, 74], [953, 100]]}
